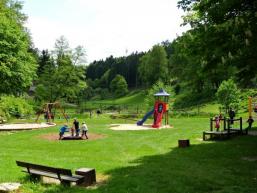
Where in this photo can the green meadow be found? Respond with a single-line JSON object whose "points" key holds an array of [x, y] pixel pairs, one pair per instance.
{"points": [[136, 161]]}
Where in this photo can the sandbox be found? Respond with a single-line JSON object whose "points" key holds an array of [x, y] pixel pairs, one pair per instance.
{"points": [[55, 136], [24, 126], [134, 127]]}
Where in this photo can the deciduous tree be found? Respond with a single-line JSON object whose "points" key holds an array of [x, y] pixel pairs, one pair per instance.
{"points": [[17, 63]]}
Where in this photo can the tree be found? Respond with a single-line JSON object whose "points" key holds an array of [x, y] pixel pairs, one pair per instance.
{"points": [[228, 94], [62, 47], [44, 61], [63, 82], [125, 66], [225, 39], [154, 65], [60, 78], [17, 63], [79, 55], [119, 86]]}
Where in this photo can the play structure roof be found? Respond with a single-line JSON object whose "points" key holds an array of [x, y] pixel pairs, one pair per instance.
{"points": [[162, 92]]}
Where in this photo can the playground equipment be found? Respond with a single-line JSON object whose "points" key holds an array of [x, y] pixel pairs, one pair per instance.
{"points": [[161, 109], [48, 113], [252, 106], [230, 127]]}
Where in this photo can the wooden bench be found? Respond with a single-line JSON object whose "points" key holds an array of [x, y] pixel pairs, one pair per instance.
{"points": [[64, 175]]}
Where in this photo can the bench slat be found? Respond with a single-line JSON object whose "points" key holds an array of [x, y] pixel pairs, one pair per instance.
{"points": [[58, 171], [73, 178]]}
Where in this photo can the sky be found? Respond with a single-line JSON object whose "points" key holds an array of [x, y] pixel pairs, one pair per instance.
{"points": [[103, 27]]}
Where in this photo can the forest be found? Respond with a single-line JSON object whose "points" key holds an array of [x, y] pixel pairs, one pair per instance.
{"points": [[219, 46]]}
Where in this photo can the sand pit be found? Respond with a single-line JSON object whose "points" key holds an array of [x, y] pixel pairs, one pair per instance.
{"points": [[55, 136], [134, 127], [24, 126]]}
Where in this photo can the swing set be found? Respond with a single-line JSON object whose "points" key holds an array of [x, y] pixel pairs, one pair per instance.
{"points": [[48, 112]]}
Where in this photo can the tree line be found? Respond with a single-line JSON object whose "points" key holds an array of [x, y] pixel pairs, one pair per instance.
{"points": [[220, 45]]}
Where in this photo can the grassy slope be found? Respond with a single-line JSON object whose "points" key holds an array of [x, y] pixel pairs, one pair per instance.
{"points": [[138, 161], [132, 98]]}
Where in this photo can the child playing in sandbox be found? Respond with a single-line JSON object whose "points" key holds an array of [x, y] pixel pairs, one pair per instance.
{"points": [[84, 129], [63, 129]]}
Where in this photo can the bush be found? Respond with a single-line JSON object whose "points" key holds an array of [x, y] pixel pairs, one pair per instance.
{"points": [[119, 86], [11, 106], [228, 95]]}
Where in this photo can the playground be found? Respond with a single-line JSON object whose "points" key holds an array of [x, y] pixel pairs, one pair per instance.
{"points": [[119, 147], [144, 155]]}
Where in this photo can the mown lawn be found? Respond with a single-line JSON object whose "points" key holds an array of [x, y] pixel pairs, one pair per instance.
{"points": [[138, 161]]}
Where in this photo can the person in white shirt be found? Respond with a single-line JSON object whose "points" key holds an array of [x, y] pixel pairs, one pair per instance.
{"points": [[84, 129]]}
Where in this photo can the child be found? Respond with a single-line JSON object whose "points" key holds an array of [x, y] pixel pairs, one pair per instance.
{"points": [[217, 123], [76, 126], [250, 122], [72, 131], [63, 129], [84, 130]]}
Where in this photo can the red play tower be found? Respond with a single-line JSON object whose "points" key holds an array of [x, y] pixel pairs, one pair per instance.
{"points": [[161, 108]]}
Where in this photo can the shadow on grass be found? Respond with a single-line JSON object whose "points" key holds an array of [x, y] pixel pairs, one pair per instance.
{"points": [[208, 167]]}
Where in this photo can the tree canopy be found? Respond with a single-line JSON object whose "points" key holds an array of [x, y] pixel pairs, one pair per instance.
{"points": [[17, 63], [219, 45], [59, 77], [154, 65], [119, 86], [228, 94]]}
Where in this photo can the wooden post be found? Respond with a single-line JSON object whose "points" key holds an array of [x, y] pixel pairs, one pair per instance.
{"points": [[211, 127], [64, 115], [228, 128], [48, 114], [183, 143], [168, 117], [37, 117], [250, 108], [241, 125], [89, 176], [224, 126]]}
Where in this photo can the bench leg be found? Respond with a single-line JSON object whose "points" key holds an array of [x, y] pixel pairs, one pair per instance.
{"points": [[89, 177], [65, 183], [34, 177]]}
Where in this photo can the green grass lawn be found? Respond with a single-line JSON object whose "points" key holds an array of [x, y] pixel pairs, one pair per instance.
{"points": [[137, 161]]}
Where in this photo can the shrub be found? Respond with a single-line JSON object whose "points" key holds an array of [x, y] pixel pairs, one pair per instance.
{"points": [[11, 106], [119, 86], [228, 94]]}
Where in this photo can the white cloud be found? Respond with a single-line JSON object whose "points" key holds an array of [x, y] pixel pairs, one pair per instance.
{"points": [[106, 27]]}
